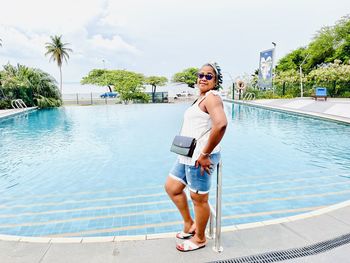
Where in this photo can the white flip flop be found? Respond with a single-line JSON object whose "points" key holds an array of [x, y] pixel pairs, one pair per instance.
{"points": [[188, 246], [184, 235]]}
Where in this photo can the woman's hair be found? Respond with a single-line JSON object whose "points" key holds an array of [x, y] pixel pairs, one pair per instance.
{"points": [[218, 74]]}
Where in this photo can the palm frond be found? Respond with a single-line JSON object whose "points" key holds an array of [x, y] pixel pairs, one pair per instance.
{"points": [[57, 49]]}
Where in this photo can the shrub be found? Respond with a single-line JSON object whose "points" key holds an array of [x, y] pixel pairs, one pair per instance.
{"points": [[346, 94], [33, 86], [44, 102], [5, 104]]}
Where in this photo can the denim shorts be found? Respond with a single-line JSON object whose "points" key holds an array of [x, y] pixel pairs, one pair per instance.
{"points": [[191, 176]]}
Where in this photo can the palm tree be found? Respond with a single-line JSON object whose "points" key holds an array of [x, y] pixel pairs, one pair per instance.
{"points": [[58, 52]]}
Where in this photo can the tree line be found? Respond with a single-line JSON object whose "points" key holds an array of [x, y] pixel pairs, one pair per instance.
{"points": [[38, 88], [130, 85], [34, 86], [325, 61]]}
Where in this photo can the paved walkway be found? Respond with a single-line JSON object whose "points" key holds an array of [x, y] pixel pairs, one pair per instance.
{"points": [[237, 241], [250, 239], [334, 109]]}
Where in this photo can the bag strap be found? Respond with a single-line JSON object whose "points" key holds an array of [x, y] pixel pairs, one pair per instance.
{"points": [[191, 106], [199, 100]]}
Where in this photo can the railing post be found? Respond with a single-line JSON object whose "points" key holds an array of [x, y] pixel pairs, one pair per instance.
{"points": [[18, 104], [217, 242], [210, 234], [12, 104]]}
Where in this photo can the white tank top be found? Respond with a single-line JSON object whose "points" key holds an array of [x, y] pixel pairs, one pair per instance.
{"points": [[196, 123]]}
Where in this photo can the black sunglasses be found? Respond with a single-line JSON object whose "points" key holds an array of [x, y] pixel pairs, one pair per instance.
{"points": [[207, 77]]}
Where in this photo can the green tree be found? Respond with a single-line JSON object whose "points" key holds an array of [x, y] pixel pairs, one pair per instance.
{"points": [[290, 76], [342, 37], [335, 76], [187, 76], [322, 48], [97, 77], [33, 86], [292, 60], [128, 84], [287, 82], [155, 81], [326, 57], [329, 43], [58, 52]]}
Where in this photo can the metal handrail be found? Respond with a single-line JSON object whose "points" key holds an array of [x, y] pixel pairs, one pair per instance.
{"points": [[12, 104], [18, 104], [22, 103], [249, 96], [216, 214]]}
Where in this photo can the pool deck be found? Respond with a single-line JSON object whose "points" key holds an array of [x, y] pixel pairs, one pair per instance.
{"points": [[243, 240], [13, 112], [237, 241], [333, 109]]}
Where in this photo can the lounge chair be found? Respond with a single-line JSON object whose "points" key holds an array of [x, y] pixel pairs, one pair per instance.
{"points": [[320, 93]]}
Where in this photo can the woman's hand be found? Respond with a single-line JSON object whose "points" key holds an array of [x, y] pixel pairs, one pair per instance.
{"points": [[205, 163]]}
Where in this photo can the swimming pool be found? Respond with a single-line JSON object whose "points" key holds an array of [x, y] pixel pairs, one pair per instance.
{"points": [[99, 171]]}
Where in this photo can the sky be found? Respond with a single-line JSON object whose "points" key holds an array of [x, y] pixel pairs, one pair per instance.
{"points": [[160, 37]]}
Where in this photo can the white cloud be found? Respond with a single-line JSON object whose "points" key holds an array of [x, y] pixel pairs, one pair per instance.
{"points": [[158, 37], [109, 18], [116, 43], [24, 32], [55, 17], [17, 43]]}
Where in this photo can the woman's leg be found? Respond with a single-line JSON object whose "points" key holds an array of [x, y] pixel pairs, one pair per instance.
{"points": [[202, 213], [175, 190]]}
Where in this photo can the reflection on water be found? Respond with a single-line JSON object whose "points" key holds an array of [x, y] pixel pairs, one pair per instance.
{"points": [[83, 144], [42, 133], [314, 142]]}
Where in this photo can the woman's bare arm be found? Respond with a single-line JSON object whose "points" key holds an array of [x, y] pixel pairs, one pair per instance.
{"points": [[214, 107]]}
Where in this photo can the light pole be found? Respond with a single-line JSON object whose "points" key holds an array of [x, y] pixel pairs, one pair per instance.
{"points": [[2, 92], [273, 66], [301, 76], [233, 84], [104, 65]]}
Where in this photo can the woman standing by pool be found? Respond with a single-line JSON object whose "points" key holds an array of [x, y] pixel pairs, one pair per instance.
{"points": [[206, 121]]}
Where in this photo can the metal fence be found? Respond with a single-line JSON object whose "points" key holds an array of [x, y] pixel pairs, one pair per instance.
{"points": [[95, 98]]}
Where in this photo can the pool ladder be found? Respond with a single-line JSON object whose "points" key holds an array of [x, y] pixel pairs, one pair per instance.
{"points": [[18, 104], [216, 213], [248, 96]]}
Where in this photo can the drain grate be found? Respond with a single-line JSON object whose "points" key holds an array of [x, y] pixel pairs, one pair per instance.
{"points": [[291, 253]]}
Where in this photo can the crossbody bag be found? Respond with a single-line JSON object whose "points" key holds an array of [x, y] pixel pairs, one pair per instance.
{"points": [[184, 145]]}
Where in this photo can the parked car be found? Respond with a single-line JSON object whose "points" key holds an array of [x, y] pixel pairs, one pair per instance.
{"points": [[183, 94], [109, 95]]}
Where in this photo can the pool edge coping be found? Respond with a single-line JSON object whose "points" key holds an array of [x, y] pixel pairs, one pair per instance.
{"points": [[104, 239], [15, 112]]}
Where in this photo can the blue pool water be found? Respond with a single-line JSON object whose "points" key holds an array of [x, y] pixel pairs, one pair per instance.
{"points": [[99, 171]]}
